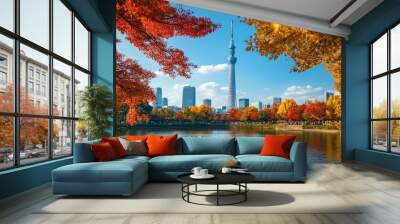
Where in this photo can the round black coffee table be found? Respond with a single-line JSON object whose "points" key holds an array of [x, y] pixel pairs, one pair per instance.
{"points": [[238, 179]]}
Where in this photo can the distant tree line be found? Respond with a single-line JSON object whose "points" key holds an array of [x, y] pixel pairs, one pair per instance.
{"points": [[288, 110]]}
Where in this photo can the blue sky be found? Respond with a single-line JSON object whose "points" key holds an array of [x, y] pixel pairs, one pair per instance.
{"points": [[257, 78]]}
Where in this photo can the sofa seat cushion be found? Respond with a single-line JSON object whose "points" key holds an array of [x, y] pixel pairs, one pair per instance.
{"points": [[185, 163], [112, 171], [257, 163], [133, 157]]}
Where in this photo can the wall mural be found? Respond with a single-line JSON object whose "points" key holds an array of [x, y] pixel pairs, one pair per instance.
{"points": [[193, 71]]}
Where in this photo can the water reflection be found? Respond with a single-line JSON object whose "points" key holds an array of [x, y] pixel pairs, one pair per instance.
{"points": [[322, 145]]}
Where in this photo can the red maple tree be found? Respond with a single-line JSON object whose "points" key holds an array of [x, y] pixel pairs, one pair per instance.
{"points": [[314, 111], [180, 115], [148, 24], [132, 87], [233, 114], [295, 113]]}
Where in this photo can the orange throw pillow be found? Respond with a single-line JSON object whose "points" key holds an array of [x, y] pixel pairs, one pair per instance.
{"points": [[161, 145], [103, 152], [116, 145], [277, 145], [135, 137]]}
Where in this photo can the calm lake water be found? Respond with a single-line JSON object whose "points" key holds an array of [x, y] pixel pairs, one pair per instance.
{"points": [[323, 146]]}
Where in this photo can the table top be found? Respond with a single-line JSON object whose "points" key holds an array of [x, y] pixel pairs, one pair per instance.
{"points": [[220, 178]]}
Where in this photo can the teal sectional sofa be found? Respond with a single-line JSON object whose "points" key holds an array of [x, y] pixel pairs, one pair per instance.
{"points": [[125, 176]]}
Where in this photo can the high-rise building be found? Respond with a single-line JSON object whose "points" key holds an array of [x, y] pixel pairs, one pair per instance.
{"points": [[258, 105], [159, 97], [244, 102], [232, 79], [188, 96], [276, 100], [207, 102], [165, 102], [327, 95]]}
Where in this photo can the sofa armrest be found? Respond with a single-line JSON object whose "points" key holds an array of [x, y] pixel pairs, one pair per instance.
{"points": [[83, 152], [298, 155]]}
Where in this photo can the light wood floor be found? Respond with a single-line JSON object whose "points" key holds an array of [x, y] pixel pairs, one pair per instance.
{"points": [[377, 188]]}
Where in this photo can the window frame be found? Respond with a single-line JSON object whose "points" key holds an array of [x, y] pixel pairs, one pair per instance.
{"points": [[389, 73], [16, 114]]}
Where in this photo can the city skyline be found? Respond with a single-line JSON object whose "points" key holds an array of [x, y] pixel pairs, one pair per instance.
{"points": [[257, 77], [241, 102]]}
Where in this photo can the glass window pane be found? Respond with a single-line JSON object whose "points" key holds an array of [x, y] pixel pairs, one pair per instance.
{"points": [[81, 81], [379, 97], [7, 14], [379, 135], [81, 45], [395, 47], [6, 74], [62, 29], [379, 56], [395, 138], [62, 89], [81, 131], [395, 94], [33, 139], [34, 97], [35, 21], [62, 138], [6, 142]]}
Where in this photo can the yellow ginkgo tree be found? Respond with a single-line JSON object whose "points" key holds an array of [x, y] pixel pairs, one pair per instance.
{"points": [[307, 48]]}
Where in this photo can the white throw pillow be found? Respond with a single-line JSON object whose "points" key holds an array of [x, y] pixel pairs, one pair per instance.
{"points": [[137, 148]]}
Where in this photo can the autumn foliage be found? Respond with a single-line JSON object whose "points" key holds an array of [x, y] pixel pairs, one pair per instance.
{"points": [[33, 130], [148, 24], [132, 87], [334, 108], [315, 111], [307, 48], [287, 111]]}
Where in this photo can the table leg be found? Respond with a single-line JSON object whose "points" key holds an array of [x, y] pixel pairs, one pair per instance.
{"points": [[188, 190], [182, 189], [245, 193], [195, 188], [217, 194]]}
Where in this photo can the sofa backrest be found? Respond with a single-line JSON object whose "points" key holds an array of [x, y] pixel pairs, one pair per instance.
{"points": [[249, 145], [191, 146], [206, 145], [83, 152]]}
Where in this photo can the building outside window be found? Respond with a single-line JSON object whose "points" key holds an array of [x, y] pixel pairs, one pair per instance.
{"points": [[30, 87], [43, 77], [30, 72], [38, 89], [3, 61], [35, 52], [3, 78], [3, 71], [37, 74], [385, 94], [43, 90]]}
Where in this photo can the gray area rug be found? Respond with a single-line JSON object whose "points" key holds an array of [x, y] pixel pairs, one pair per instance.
{"points": [[166, 198]]}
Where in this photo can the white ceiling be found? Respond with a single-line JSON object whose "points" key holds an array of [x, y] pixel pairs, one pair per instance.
{"points": [[321, 9], [315, 15]]}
